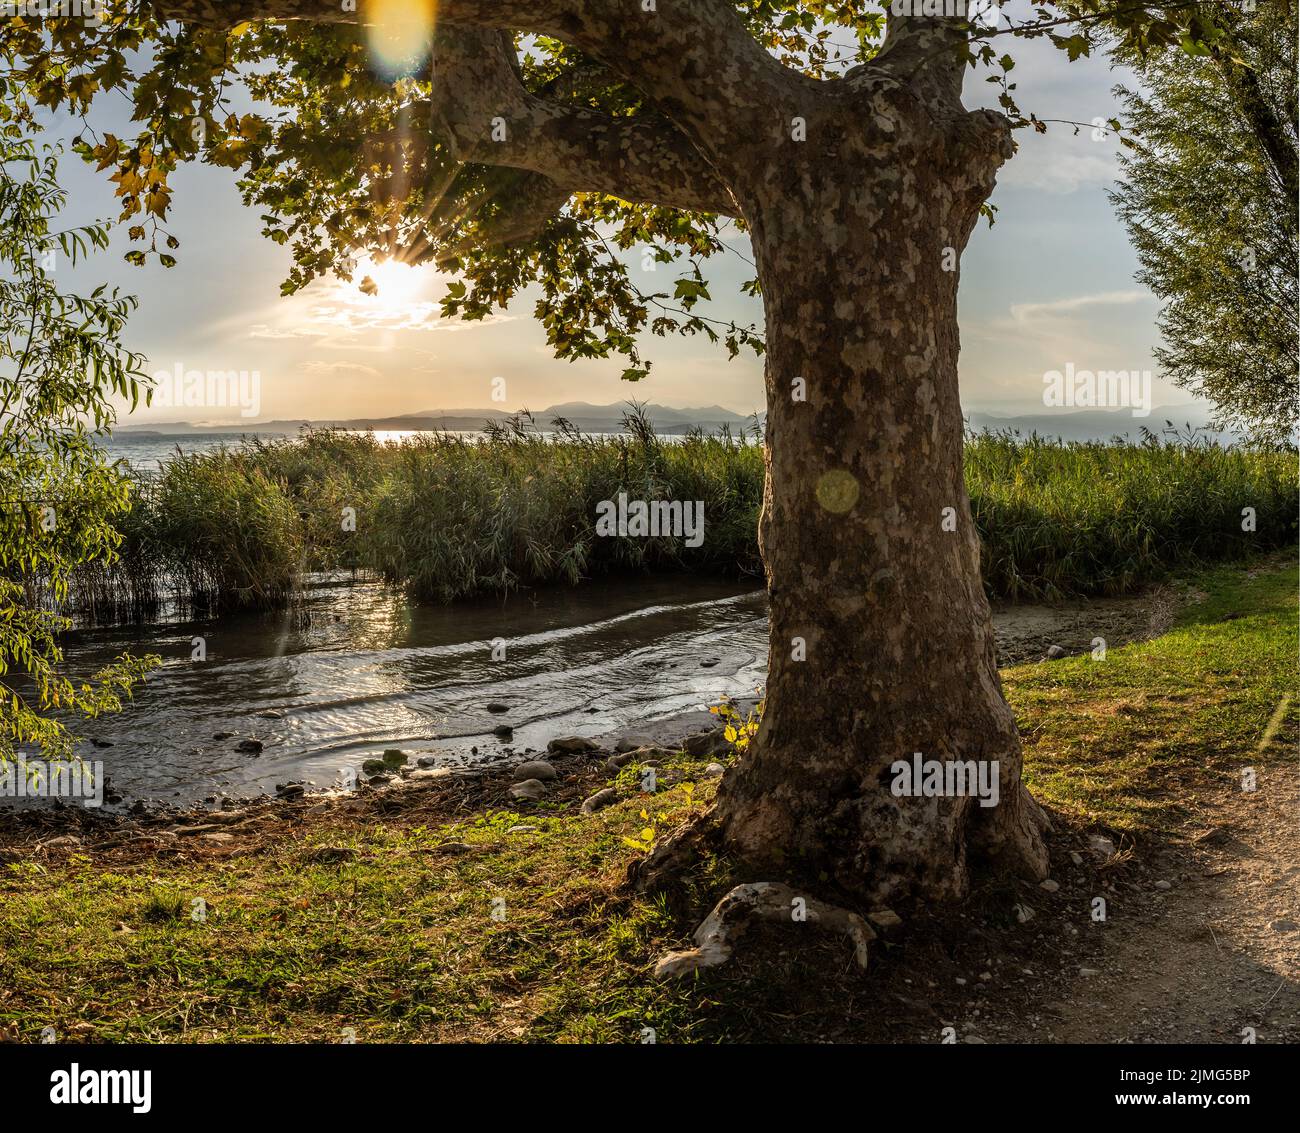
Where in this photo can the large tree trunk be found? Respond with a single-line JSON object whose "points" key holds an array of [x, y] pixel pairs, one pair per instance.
{"points": [[857, 248]]}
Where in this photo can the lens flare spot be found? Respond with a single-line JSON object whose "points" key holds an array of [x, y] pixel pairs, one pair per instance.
{"points": [[398, 34]]}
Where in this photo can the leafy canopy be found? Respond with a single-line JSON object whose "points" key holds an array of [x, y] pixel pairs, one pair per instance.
{"points": [[341, 155]]}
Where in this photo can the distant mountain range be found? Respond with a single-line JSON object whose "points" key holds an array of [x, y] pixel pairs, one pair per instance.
{"points": [[1080, 425], [588, 418]]}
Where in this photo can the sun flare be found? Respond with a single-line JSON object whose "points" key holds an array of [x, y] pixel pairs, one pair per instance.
{"points": [[391, 283], [398, 33]]}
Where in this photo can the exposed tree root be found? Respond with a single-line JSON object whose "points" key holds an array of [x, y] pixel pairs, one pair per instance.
{"points": [[672, 857], [731, 917]]}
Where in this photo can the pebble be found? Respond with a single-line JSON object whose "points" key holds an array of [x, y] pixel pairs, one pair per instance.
{"points": [[1076, 858], [533, 769], [1055, 653], [631, 743], [706, 743], [497, 707], [1085, 972], [253, 747], [1284, 926], [1163, 885], [1050, 885], [884, 918], [571, 745], [1101, 846], [715, 771], [529, 789]]}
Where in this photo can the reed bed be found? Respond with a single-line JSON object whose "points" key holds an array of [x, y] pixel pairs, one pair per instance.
{"points": [[449, 516]]}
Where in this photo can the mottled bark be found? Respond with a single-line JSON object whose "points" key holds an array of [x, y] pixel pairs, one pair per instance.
{"points": [[857, 233]]}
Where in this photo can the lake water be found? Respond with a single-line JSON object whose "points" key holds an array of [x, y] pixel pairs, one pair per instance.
{"points": [[149, 451], [356, 669]]}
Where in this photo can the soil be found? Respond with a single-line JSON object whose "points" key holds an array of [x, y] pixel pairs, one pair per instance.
{"points": [[1213, 958]]}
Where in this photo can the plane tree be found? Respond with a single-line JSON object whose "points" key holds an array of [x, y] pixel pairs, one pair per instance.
{"points": [[532, 144]]}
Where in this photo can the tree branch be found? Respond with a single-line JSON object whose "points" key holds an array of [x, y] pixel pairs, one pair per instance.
{"points": [[489, 117], [694, 59]]}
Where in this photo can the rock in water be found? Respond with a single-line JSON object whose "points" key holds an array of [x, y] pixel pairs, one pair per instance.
{"points": [[251, 747]]}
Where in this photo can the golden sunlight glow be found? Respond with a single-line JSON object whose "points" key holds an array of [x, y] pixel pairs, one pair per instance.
{"points": [[392, 284], [398, 33]]}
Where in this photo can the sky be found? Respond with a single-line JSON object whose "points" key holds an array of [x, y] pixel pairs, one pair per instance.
{"points": [[1050, 284]]}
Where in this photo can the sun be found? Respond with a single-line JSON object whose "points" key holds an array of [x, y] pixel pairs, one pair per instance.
{"points": [[391, 282]]}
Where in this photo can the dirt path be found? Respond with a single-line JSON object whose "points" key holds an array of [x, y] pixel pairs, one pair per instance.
{"points": [[1216, 953]]}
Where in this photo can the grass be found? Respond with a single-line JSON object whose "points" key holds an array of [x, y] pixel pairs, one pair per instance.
{"points": [[447, 517], [399, 942]]}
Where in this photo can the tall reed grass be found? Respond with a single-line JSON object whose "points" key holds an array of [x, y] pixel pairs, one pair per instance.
{"points": [[448, 516]]}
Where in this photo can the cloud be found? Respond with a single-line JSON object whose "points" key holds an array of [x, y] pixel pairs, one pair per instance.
{"points": [[354, 318], [261, 330], [1060, 308], [338, 369], [1055, 169]]}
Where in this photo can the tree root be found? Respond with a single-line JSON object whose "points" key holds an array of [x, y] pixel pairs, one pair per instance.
{"points": [[766, 901], [665, 866]]}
